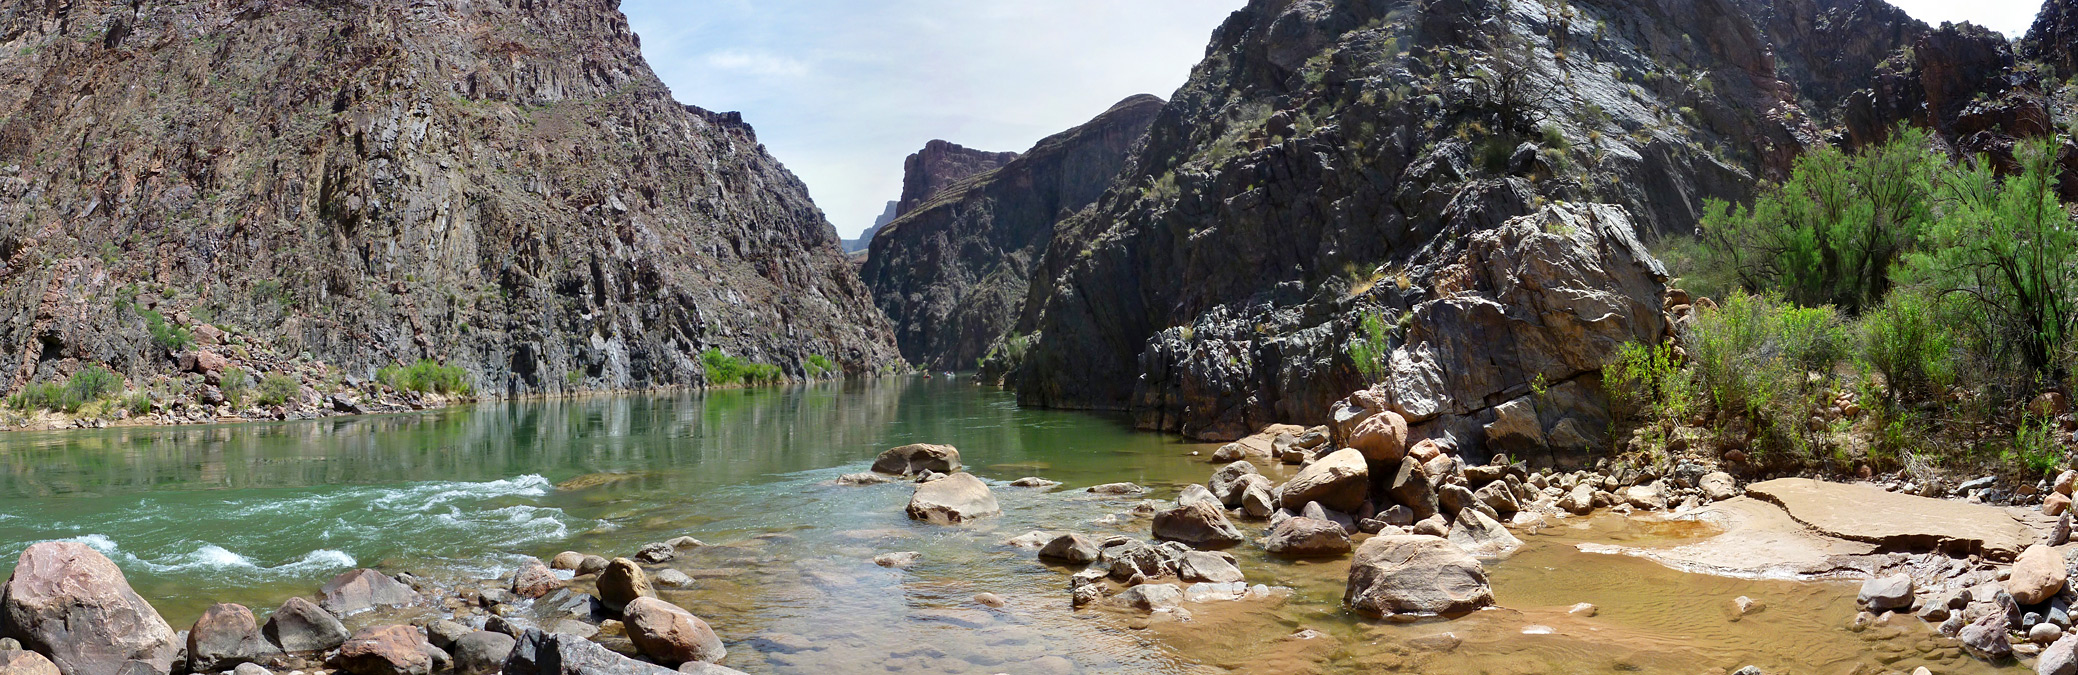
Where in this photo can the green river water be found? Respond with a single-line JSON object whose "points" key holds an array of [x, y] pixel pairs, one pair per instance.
{"points": [[256, 513]]}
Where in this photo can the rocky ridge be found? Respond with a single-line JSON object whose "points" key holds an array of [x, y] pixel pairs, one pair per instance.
{"points": [[952, 270], [1329, 160], [502, 187]]}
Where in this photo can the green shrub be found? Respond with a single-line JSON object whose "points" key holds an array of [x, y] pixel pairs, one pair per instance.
{"points": [[1371, 347], [278, 388], [85, 387], [426, 376], [723, 369], [1753, 358], [137, 402], [2034, 446], [819, 366], [167, 335], [1908, 341], [234, 384], [1645, 381]]}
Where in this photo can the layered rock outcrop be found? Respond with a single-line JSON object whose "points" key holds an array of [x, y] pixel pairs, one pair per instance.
{"points": [[506, 187], [939, 166], [1330, 163], [952, 271]]}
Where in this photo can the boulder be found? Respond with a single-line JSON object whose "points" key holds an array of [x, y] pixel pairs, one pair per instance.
{"points": [[897, 559], [2060, 658], [1228, 482], [1117, 489], [1410, 487], [1070, 548], [225, 636], [1195, 493], [387, 650], [863, 478], [300, 626], [1986, 638], [1307, 538], [1382, 438], [1034, 482], [1646, 497], [481, 652], [671, 635], [72, 604], [1152, 597], [1415, 574], [2056, 504], [592, 564], [1338, 481], [23, 662], [1719, 486], [1497, 497], [1481, 536], [1208, 567], [1579, 501], [534, 580], [656, 553], [622, 583], [567, 560], [955, 499], [2037, 574], [918, 458], [670, 578], [361, 590], [1258, 498], [538, 653], [1200, 525]]}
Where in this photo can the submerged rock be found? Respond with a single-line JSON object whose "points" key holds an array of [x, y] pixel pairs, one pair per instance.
{"points": [[1070, 548], [1415, 574], [1120, 489], [918, 458], [955, 499], [1152, 597], [72, 604]]}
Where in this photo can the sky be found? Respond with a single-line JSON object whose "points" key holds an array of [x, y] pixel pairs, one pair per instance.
{"points": [[841, 91]]}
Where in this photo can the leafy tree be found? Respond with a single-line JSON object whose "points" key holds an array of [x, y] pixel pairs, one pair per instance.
{"points": [[2009, 246], [1832, 233]]}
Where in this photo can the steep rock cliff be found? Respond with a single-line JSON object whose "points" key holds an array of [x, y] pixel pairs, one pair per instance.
{"points": [[499, 185], [952, 272], [940, 165], [1330, 160]]}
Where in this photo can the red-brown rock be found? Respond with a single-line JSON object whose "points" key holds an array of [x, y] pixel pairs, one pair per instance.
{"points": [[71, 603]]}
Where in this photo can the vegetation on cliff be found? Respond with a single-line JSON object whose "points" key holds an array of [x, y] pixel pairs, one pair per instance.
{"points": [[1899, 306]]}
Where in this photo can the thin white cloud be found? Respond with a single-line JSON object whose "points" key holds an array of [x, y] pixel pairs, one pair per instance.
{"points": [[753, 63]]}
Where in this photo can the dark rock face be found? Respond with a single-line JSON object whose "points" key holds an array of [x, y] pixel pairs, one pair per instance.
{"points": [[505, 186], [940, 165], [952, 272], [2053, 40], [1329, 161], [538, 653]]}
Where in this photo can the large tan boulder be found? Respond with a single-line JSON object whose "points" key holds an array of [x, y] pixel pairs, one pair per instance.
{"points": [[1381, 437], [387, 650], [1303, 537], [299, 626], [1198, 524], [71, 603], [671, 635], [2038, 574], [364, 589], [623, 583], [1338, 481], [917, 458], [1415, 574], [954, 499], [534, 580], [225, 636]]}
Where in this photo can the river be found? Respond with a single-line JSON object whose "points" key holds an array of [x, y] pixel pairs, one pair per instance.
{"points": [[256, 513]]}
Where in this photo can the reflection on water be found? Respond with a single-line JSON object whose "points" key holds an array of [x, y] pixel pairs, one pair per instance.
{"points": [[255, 513]]}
